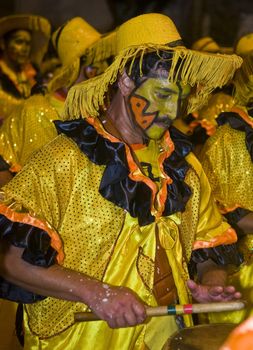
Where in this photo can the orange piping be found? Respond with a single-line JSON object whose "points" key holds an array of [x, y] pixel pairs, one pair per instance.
{"points": [[56, 242]]}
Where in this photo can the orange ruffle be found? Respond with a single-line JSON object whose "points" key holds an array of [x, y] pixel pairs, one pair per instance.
{"points": [[26, 218]]}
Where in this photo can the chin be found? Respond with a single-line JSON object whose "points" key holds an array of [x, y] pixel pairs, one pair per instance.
{"points": [[156, 136]]}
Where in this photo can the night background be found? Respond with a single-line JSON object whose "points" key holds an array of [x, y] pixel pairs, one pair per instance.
{"points": [[224, 20]]}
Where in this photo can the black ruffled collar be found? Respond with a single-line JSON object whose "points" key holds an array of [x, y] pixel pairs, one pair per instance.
{"points": [[116, 186], [236, 122]]}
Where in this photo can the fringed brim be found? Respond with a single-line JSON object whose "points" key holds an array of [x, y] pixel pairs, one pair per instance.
{"points": [[102, 49], [204, 71]]}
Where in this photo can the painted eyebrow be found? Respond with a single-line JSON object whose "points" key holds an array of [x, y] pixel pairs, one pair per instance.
{"points": [[163, 89], [166, 90]]}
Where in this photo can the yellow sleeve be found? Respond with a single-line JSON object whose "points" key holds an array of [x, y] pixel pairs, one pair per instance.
{"points": [[26, 130], [229, 168], [8, 103], [212, 229], [40, 193]]}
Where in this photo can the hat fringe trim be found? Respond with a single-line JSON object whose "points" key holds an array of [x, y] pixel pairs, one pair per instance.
{"points": [[102, 49], [190, 67]]}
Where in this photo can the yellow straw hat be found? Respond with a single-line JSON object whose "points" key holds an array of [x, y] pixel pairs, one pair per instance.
{"points": [[39, 27], [244, 45], [206, 44], [75, 39], [151, 33]]}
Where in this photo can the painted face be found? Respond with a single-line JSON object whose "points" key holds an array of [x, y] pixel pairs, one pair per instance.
{"points": [[155, 103], [18, 47]]}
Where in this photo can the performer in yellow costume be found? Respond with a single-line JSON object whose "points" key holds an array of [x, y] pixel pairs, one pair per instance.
{"points": [[202, 124], [227, 160], [24, 41], [117, 206], [30, 126]]}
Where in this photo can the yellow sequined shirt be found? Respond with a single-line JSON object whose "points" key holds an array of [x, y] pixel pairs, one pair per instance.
{"points": [[58, 192]]}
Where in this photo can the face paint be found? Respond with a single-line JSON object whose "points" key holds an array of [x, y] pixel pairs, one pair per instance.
{"points": [[155, 103], [18, 47]]}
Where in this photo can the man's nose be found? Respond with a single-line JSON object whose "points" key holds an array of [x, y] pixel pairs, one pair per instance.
{"points": [[25, 47], [174, 108]]}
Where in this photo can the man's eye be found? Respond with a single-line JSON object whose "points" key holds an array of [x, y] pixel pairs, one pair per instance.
{"points": [[162, 96]]}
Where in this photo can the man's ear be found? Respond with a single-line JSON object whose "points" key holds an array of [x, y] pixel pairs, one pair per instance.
{"points": [[125, 84]]}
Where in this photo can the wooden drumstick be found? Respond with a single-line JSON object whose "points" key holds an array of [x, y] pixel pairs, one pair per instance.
{"points": [[174, 310]]}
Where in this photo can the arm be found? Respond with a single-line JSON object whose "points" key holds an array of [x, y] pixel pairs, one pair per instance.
{"points": [[246, 223], [118, 306], [5, 177]]}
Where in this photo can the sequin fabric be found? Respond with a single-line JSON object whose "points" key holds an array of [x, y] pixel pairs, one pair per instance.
{"points": [[190, 216], [27, 129], [77, 212], [60, 185], [228, 166]]}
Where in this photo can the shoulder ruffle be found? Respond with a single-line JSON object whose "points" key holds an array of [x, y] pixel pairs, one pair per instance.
{"points": [[116, 186]]}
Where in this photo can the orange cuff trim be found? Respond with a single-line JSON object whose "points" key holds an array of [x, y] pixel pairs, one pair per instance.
{"points": [[228, 237], [228, 210], [15, 168], [24, 218]]}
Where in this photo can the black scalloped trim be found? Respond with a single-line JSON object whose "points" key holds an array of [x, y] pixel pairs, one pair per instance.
{"points": [[37, 251], [116, 186], [222, 255], [237, 123]]}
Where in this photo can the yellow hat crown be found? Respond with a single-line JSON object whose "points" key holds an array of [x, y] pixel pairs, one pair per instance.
{"points": [[72, 39], [206, 44], [244, 45], [140, 30]]}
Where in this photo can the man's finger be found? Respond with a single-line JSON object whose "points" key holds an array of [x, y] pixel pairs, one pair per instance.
{"points": [[215, 291]]}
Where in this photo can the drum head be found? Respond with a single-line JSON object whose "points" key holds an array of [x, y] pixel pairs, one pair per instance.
{"points": [[202, 337]]}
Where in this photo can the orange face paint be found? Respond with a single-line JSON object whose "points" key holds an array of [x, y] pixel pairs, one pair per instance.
{"points": [[155, 103]]}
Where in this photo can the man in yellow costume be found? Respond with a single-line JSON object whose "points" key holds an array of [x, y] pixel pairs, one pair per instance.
{"points": [[227, 160], [112, 214]]}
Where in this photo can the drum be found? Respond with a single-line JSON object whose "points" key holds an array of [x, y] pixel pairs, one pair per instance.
{"points": [[202, 337]]}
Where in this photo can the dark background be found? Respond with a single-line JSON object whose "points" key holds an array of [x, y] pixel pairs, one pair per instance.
{"points": [[224, 20]]}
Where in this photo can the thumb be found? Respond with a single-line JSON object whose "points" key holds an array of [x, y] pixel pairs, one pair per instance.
{"points": [[192, 285]]}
